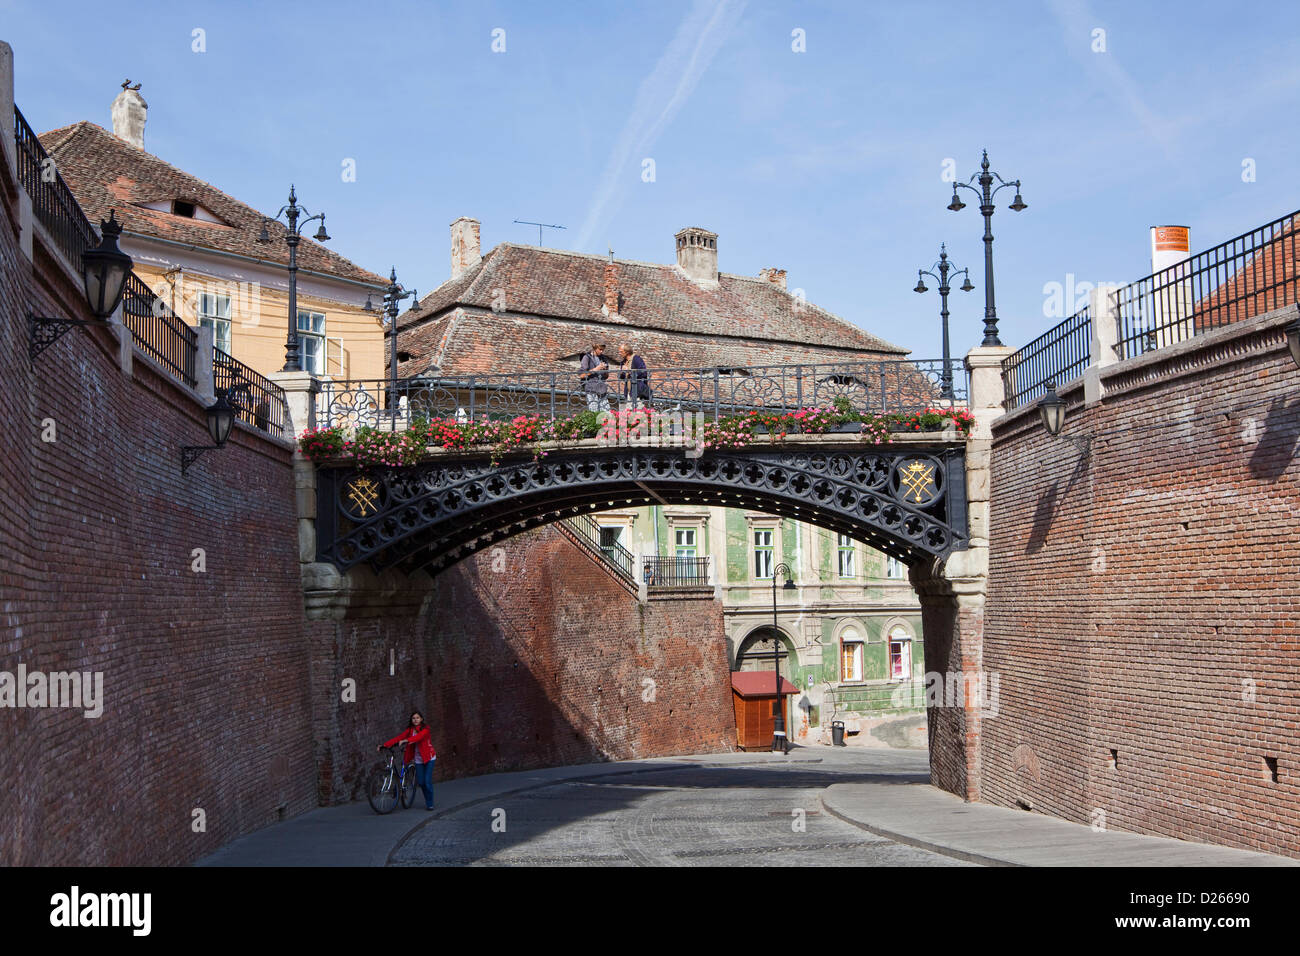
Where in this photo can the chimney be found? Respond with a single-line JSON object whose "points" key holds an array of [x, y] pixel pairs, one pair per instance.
{"points": [[697, 254], [129, 114], [465, 252], [611, 288], [774, 276]]}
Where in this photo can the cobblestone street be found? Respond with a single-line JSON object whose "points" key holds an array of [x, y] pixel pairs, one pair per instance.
{"points": [[764, 815]]}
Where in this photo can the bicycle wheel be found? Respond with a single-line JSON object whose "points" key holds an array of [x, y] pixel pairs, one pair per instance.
{"points": [[408, 787], [381, 790]]}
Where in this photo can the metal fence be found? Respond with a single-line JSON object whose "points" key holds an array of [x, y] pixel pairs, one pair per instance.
{"points": [[879, 386], [675, 572], [158, 331], [592, 537], [1058, 355], [1249, 275], [53, 204], [257, 400]]}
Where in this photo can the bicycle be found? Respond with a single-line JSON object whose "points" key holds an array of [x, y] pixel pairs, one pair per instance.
{"points": [[391, 783]]}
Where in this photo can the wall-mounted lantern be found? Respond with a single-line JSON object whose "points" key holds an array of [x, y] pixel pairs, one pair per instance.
{"points": [[1293, 337], [1051, 409], [221, 418], [103, 274]]}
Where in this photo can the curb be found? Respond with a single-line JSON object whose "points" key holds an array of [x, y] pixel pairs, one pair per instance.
{"points": [[963, 855]]}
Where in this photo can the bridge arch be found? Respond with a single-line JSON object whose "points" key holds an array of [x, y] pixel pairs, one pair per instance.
{"points": [[908, 501]]}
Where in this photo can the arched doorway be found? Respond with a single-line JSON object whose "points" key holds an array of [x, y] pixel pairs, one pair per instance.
{"points": [[755, 652]]}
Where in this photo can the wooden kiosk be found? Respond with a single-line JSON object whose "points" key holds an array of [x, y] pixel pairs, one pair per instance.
{"points": [[754, 695]]}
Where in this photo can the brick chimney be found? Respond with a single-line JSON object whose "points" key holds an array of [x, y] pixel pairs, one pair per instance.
{"points": [[774, 276], [129, 114], [465, 252], [611, 288], [697, 254]]}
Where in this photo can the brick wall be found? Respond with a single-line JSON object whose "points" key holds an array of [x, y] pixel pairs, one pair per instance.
{"points": [[205, 696], [1143, 599], [528, 655]]}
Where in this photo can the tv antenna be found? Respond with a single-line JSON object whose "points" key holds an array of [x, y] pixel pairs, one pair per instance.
{"points": [[540, 226]]}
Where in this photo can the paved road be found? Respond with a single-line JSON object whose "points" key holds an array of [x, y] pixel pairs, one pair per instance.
{"points": [[766, 815]]}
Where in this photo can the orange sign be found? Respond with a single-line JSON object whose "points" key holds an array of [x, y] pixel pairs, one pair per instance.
{"points": [[1171, 239]]}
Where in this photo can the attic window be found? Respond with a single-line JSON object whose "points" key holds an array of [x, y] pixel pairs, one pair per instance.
{"points": [[728, 370], [403, 356], [182, 208]]}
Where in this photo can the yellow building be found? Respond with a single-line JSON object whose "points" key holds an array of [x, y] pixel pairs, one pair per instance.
{"points": [[200, 250]]}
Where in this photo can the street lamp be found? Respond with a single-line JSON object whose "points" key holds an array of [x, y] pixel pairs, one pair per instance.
{"points": [[293, 236], [779, 740], [944, 267], [103, 276], [392, 296], [986, 194], [1051, 410], [1293, 337], [221, 418]]}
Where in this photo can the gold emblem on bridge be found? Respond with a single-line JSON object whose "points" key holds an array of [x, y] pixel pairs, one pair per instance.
{"points": [[918, 478], [363, 493]]}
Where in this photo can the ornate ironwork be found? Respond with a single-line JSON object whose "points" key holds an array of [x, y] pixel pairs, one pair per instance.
{"points": [[42, 332], [876, 386], [908, 503]]}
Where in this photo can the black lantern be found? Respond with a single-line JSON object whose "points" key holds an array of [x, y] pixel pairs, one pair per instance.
{"points": [[1051, 408], [221, 419], [1293, 337], [104, 271]]}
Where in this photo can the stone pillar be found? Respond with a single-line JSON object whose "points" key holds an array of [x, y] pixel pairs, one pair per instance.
{"points": [[300, 391], [1104, 338], [953, 595], [204, 373], [7, 144]]}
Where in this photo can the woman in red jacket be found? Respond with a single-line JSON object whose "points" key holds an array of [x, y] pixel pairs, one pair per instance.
{"points": [[419, 748]]}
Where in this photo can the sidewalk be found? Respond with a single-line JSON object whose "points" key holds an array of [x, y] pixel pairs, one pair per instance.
{"points": [[931, 819]]}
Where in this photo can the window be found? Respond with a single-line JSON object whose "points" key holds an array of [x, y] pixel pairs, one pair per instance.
{"points": [[900, 654], [763, 550], [850, 656], [895, 569], [611, 538], [182, 208], [214, 314], [846, 551], [684, 541], [311, 341]]}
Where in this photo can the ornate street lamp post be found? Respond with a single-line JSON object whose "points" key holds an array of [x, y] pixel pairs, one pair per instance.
{"points": [[779, 741], [392, 296], [986, 192], [293, 236], [944, 267]]}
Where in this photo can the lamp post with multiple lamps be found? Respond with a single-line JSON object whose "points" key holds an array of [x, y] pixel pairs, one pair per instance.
{"points": [[944, 267], [293, 236], [392, 296], [779, 739], [986, 192]]}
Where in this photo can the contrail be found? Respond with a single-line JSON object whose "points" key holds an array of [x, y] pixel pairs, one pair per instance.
{"points": [[661, 94]]}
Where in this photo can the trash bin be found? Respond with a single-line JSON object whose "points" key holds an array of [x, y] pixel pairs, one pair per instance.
{"points": [[837, 733]]}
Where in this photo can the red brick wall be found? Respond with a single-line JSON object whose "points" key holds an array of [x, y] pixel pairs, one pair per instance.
{"points": [[204, 674], [1143, 599], [529, 655]]}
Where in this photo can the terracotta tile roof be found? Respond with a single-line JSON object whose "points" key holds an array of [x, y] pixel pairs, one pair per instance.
{"points": [[553, 283], [759, 684], [105, 173]]}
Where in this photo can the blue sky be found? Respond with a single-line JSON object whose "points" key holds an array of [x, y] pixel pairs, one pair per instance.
{"points": [[827, 163]]}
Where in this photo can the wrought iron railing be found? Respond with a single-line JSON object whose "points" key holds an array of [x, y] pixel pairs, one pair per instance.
{"points": [[52, 201], [1249, 275], [158, 331], [675, 572], [1058, 355], [257, 400], [587, 532], [878, 386]]}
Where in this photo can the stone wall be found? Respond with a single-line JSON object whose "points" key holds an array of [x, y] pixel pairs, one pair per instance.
{"points": [[1143, 609]]}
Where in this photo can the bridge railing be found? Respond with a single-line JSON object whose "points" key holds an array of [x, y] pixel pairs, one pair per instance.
{"points": [[1058, 355], [257, 400], [875, 386]]}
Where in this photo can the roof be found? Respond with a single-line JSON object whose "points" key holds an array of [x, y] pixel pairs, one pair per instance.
{"points": [[555, 283], [106, 173], [759, 684]]}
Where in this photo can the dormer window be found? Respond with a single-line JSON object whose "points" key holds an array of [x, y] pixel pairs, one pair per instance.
{"points": [[182, 208]]}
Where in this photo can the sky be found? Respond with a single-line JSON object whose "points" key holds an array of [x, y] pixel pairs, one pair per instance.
{"points": [[817, 137]]}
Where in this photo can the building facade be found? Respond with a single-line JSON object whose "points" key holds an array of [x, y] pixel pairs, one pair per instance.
{"points": [[849, 630]]}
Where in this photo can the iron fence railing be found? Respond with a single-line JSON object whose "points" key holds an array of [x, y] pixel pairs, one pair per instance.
{"points": [[600, 542], [1059, 354], [1249, 275], [877, 386], [257, 400], [675, 572], [53, 204], [158, 331]]}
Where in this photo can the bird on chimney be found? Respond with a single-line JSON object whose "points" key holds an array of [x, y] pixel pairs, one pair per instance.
{"points": [[126, 85]]}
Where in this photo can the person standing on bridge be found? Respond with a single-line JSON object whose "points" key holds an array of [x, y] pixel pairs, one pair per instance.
{"points": [[594, 371], [636, 378], [419, 748]]}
